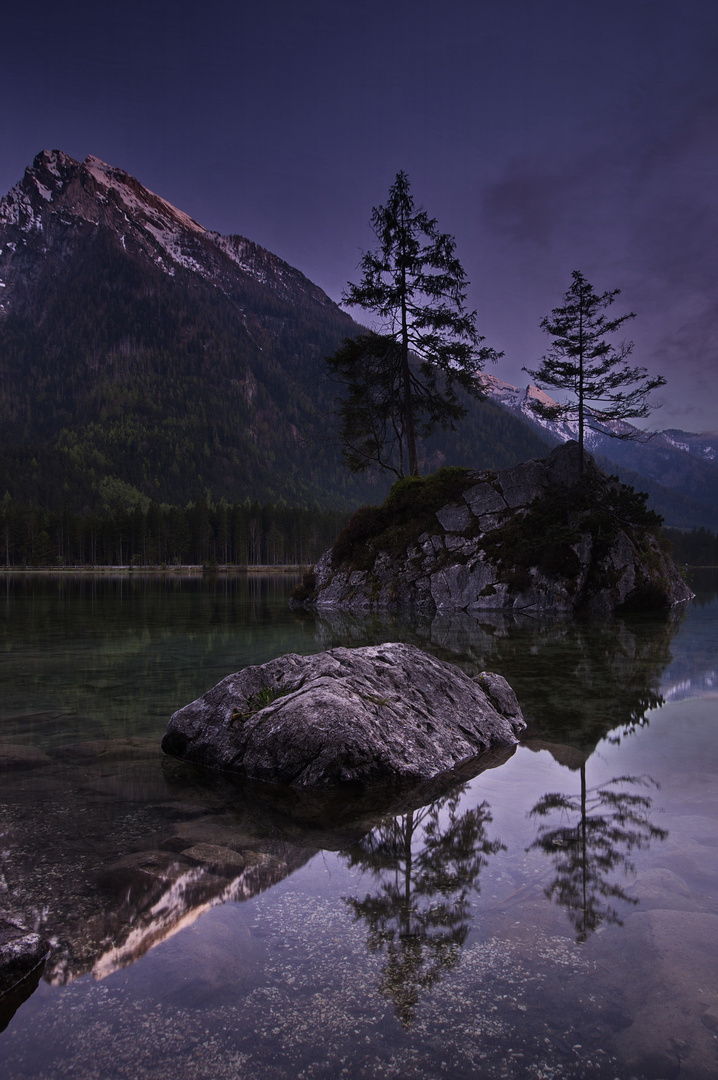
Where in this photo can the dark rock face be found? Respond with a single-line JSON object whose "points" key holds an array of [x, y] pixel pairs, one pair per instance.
{"points": [[21, 951], [536, 537], [381, 714]]}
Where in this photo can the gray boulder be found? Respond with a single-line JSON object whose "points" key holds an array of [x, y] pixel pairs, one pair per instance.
{"points": [[381, 714], [539, 537]]}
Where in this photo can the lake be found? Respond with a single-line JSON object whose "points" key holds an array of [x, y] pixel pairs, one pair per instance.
{"points": [[554, 916]]}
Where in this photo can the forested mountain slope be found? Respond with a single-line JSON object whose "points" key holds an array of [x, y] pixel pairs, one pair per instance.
{"points": [[143, 356]]}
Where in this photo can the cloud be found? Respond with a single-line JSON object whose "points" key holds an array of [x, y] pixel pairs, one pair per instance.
{"points": [[637, 211], [525, 205]]}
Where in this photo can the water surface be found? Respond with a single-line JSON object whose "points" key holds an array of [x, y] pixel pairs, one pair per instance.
{"points": [[555, 915]]}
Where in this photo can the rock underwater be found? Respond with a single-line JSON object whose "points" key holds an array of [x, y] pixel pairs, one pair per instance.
{"points": [[375, 715], [21, 951], [538, 537]]}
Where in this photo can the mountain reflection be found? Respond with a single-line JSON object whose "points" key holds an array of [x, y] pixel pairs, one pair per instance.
{"points": [[592, 841], [175, 893], [165, 841], [137, 847], [425, 863]]}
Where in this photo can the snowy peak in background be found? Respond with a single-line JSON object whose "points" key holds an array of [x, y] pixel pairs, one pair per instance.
{"points": [[598, 434], [704, 445], [523, 402], [513, 397], [59, 196], [681, 462]]}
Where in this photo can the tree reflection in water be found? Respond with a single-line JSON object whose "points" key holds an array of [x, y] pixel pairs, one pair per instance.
{"points": [[426, 864], [600, 828]]}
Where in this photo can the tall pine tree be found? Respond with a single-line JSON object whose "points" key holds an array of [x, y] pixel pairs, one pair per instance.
{"points": [[407, 377], [591, 369]]}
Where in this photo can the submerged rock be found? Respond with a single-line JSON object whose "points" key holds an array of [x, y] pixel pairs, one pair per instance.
{"points": [[21, 951], [22, 956], [380, 714], [538, 537]]}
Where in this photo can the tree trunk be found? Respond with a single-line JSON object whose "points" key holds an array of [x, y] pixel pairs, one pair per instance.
{"points": [[580, 436], [580, 395], [413, 459], [584, 851]]}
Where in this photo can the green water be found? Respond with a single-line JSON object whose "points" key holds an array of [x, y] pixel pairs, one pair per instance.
{"points": [[556, 916]]}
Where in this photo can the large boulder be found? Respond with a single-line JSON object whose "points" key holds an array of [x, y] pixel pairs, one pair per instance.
{"points": [[542, 536], [381, 714]]}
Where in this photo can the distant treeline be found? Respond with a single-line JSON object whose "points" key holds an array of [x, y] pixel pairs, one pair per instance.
{"points": [[695, 547], [206, 533], [245, 534]]}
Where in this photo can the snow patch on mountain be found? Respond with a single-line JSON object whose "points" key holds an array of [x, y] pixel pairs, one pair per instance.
{"points": [[705, 446], [598, 435], [44, 192], [138, 199], [57, 191], [16, 208], [240, 251]]}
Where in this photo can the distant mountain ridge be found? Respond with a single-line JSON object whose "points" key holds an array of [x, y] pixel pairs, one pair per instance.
{"points": [[522, 399], [679, 469], [142, 355]]}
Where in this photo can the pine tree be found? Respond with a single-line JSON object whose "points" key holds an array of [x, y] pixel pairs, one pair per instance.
{"points": [[371, 414], [583, 363], [428, 341]]}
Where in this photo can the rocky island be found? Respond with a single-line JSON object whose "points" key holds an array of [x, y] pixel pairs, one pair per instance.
{"points": [[383, 714], [542, 536]]}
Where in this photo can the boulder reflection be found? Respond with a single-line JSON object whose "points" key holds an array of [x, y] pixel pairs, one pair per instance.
{"points": [[426, 863], [591, 842]]}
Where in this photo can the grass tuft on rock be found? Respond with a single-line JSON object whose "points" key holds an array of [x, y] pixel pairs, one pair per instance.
{"points": [[408, 511], [258, 701]]}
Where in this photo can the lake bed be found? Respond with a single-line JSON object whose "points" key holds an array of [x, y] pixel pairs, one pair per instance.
{"points": [[554, 916]]}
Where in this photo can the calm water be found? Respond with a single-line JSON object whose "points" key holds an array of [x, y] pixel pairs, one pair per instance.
{"points": [[555, 916]]}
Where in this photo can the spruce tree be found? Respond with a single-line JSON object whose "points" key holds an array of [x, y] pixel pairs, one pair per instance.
{"points": [[428, 340], [584, 364]]}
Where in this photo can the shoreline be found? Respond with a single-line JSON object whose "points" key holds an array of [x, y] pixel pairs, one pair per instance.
{"points": [[194, 569], [199, 569]]}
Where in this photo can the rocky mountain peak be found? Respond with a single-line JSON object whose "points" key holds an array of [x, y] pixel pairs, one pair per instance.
{"points": [[136, 198], [50, 171], [50, 208], [82, 189], [43, 181]]}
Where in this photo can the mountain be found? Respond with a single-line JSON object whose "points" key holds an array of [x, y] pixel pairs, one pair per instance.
{"points": [[142, 355], [678, 469]]}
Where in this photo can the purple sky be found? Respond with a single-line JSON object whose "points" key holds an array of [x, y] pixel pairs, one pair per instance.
{"points": [[546, 135]]}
